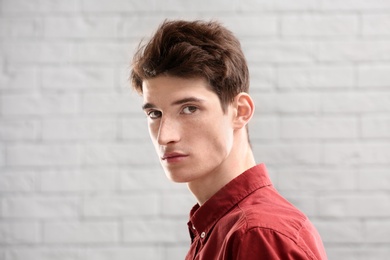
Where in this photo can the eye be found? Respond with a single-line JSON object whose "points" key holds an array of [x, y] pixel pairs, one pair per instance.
{"points": [[189, 110], [154, 114]]}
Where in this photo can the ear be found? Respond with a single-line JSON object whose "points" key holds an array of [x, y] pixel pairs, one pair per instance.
{"points": [[244, 108]]}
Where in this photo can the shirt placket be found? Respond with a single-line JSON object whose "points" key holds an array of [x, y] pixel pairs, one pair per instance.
{"points": [[197, 240]]}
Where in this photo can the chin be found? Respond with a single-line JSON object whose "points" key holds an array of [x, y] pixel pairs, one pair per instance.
{"points": [[176, 177]]}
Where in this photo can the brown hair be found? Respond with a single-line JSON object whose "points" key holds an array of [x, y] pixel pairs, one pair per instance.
{"points": [[190, 49]]}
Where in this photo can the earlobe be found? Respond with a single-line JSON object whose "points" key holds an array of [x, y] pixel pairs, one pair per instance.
{"points": [[245, 109]]}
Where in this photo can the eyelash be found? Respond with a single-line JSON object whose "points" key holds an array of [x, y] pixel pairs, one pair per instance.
{"points": [[154, 111], [193, 109]]}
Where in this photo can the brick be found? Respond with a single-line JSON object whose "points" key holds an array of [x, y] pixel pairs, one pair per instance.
{"points": [[122, 80], [112, 153], [106, 52], [278, 52], [2, 51], [118, 6], [16, 78], [316, 179], [251, 25], [75, 78], [375, 127], [317, 25], [286, 154], [262, 78], [3, 29], [340, 231], [74, 145], [37, 207], [266, 103], [354, 51], [79, 129], [134, 129], [139, 27], [17, 181], [376, 24], [279, 5], [264, 127], [18, 130], [36, 104], [287, 103], [33, 52], [139, 252], [85, 26], [2, 155], [357, 153], [16, 27], [354, 205], [75, 232], [155, 231], [147, 179], [17, 232], [378, 231], [355, 102], [44, 253], [358, 252], [297, 103], [200, 6], [319, 127], [122, 206], [38, 6], [380, 5], [95, 179], [43, 155], [373, 76], [176, 251], [178, 204], [111, 103], [315, 77], [373, 179]]}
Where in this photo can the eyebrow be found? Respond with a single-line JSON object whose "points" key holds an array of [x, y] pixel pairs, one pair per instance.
{"points": [[175, 103]]}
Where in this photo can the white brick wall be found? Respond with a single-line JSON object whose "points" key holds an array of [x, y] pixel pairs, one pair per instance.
{"points": [[79, 178]]}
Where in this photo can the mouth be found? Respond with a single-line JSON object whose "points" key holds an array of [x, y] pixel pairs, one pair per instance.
{"points": [[173, 157]]}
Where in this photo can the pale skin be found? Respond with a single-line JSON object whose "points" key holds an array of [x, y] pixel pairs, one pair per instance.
{"points": [[197, 142]]}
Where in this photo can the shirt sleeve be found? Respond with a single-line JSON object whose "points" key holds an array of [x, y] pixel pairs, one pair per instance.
{"points": [[263, 243]]}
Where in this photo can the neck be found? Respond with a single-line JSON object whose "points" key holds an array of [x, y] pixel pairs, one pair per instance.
{"points": [[239, 160]]}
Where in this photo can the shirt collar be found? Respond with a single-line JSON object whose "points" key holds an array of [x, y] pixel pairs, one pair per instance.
{"points": [[203, 218]]}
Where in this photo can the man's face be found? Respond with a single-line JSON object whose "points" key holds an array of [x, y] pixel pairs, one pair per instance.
{"points": [[192, 135]]}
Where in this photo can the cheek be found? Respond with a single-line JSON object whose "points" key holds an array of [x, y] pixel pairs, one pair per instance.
{"points": [[225, 138], [153, 130], [217, 137]]}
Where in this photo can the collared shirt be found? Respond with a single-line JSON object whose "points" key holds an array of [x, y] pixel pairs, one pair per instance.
{"points": [[248, 219]]}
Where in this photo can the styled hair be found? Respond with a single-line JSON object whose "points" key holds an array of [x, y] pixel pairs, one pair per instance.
{"points": [[192, 49]]}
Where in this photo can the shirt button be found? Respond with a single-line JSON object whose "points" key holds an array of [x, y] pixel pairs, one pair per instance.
{"points": [[203, 235]]}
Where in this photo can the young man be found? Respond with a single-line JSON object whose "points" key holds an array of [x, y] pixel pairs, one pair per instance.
{"points": [[194, 81]]}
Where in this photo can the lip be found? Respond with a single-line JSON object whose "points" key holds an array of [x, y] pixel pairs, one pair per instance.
{"points": [[173, 157]]}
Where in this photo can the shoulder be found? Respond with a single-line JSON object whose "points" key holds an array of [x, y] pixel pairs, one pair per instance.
{"points": [[269, 244], [286, 220], [284, 233], [272, 227], [268, 210]]}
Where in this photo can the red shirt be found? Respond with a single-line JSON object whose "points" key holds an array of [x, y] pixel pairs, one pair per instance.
{"points": [[248, 219]]}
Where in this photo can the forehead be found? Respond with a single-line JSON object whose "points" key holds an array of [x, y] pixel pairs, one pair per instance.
{"points": [[166, 88]]}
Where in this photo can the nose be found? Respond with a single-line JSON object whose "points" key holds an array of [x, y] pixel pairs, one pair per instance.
{"points": [[168, 131]]}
